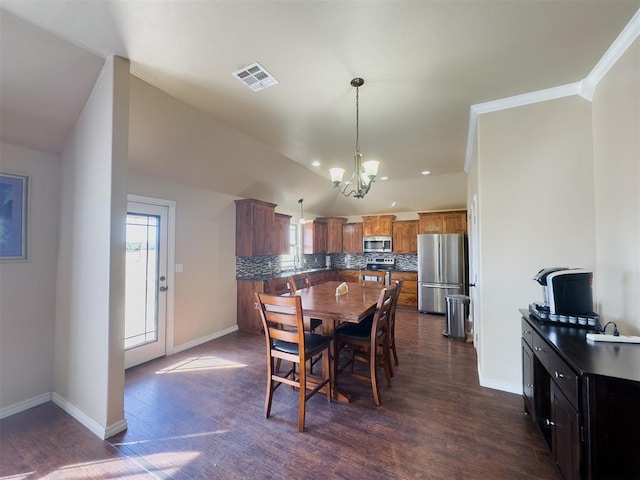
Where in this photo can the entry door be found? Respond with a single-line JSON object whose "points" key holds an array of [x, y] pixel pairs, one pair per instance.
{"points": [[146, 282]]}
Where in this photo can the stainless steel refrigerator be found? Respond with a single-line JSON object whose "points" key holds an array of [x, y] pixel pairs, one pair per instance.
{"points": [[442, 270]]}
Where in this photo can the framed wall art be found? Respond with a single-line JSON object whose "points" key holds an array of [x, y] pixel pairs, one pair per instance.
{"points": [[14, 191]]}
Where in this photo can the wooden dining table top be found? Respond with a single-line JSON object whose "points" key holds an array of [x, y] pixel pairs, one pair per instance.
{"points": [[320, 301]]}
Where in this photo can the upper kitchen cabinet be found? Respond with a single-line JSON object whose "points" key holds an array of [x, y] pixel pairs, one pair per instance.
{"points": [[378, 225], [323, 235], [443, 222], [334, 233], [282, 224], [352, 238], [314, 237], [255, 228], [405, 236]]}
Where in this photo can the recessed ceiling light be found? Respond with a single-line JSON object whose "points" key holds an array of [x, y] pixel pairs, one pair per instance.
{"points": [[316, 163], [425, 172], [384, 178]]}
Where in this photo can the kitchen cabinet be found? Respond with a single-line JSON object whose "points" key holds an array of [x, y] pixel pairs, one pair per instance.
{"points": [[405, 236], [255, 228], [409, 293], [443, 222], [585, 399], [314, 237], [248, 315], [378, 225], [334, 233], [282, 224], [352, 238]]}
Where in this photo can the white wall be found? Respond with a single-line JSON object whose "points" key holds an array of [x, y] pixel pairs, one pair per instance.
{"points": [[89, 335], [616, 127], [27, 288], [535, 174], [205, 291]]}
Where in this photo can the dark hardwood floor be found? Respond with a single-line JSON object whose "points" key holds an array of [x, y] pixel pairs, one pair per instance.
{"points": [[199, 414]]}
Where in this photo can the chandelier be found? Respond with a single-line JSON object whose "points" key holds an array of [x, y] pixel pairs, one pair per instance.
{"points": [[364, 173]]}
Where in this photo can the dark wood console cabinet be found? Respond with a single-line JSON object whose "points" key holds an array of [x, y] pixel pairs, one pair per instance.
{"points": [[585, 398]]}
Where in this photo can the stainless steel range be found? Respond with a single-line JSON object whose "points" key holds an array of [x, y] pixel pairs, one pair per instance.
{"points": [[380, 263]]}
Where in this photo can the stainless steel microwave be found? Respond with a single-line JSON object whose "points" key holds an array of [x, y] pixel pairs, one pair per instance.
{"points": [[376, 244]]}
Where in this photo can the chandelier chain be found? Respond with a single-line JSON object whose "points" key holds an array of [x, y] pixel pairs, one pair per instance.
{"points": [[357, 119]]}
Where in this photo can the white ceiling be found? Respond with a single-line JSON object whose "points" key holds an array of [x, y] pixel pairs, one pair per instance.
{"points": [[424, 64]]}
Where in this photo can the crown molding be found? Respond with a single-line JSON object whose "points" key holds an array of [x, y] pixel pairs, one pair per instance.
{"points": [[620, 45], [585, 88]]}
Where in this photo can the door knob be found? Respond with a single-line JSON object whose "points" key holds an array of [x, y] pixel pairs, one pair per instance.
{"points": [[164, 289]]}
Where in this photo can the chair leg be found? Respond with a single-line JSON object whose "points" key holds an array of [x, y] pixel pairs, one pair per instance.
{"points": [[326, 367], [386, 362], [395, 354], [373, 372], [269, 394]]}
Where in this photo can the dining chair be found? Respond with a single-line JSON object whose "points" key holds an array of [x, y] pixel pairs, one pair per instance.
{"points": [[286, 339], [392, 323], [299, 282], [377, 276], [369, 344]]}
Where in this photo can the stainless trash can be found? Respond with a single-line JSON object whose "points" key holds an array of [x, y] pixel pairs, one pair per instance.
{"points": [[457, 316]]}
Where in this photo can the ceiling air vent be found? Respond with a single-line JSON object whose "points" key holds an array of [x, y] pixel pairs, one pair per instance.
{"points": [[256, 77]]}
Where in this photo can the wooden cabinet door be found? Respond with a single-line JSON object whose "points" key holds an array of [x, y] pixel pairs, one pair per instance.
{"points": [[454, 222], [255, 228], [352, 238], [409, 293], [430, 223], [282, 224], [565, 434], [263, 230], [247, 309], [405, 236], [334, 234], [315, 237], [443, 222], [378, 225], [528, 385]]}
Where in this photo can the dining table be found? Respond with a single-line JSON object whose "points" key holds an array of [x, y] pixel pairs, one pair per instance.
{"points": [[321, 301]]}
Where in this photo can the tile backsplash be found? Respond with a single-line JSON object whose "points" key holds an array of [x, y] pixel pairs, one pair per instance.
{"points": [[268, 265]]}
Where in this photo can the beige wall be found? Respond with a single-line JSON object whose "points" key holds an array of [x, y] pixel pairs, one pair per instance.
{"points": [[536, 210], [205, 291], [616, 140], [27, 288], [89, 331]]}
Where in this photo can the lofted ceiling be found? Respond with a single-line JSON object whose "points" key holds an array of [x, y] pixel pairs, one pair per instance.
{"points": [[424, 64]]}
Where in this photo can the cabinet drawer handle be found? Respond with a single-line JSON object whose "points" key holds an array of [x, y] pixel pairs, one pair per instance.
{"points": [[549, 423], [530, 385], [559, 375], [526, 332], [538, 349]]}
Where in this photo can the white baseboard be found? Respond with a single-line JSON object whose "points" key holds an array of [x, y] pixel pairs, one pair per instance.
{"points": [[24, 405], [205, 339], [87, 421], [505, 387]]}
